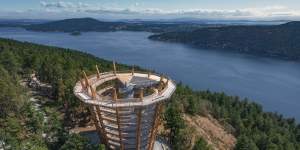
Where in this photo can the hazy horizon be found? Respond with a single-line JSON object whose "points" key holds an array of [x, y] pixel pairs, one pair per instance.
{"points": [[142, 9]]}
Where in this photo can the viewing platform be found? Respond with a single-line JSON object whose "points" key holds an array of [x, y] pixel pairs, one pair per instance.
{"points": [[138, 79]]}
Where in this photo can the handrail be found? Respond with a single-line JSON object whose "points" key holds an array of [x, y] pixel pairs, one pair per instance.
{"points": [[106, 76]]}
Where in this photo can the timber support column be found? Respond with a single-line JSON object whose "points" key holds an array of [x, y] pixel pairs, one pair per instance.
{"points": [[139, 122], [115, 98], [138, 128], [95, 119], [154, 126], [96, 113]]}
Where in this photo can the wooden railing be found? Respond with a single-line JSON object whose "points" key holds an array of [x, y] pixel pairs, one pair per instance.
{"points": [[106, 75]]}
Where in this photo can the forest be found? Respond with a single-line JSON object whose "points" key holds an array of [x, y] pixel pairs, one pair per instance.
{"points": [[23, 127], [278, 41]]}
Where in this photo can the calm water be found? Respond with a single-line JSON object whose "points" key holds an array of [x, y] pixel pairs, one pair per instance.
{"points": [[273, 83]]}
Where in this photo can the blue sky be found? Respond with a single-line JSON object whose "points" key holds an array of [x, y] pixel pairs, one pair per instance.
{"points": [[151, 9]]}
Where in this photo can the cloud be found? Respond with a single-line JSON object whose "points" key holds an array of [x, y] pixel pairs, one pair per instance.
{"points": [[64, 5], [137, 10], [247, 13], [212, 13]]}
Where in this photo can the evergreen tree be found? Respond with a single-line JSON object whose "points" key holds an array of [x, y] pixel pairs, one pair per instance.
{"points": [[201, 144], [174, 122], [244, 143]]}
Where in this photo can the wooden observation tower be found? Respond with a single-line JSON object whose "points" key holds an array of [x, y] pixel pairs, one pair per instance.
{"points": [[125, 105]]}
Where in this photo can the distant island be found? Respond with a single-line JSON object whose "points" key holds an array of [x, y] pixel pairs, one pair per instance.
{"points": [[75, 33], [281, 41]]}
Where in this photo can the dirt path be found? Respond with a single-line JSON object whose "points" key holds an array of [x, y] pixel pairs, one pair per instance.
{"points": [[36, 99]]}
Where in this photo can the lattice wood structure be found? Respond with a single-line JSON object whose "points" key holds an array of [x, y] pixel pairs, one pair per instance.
{"points": [[125, 105]]}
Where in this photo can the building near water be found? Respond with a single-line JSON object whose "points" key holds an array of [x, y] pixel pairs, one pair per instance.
{"points": [[125, 105]]}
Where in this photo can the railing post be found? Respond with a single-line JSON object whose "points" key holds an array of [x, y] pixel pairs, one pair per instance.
{"points": [[98, 72], [114, 94], [93, 92], [86, 80], [132, 70], [141, 94], [82, 84], [161, 78], [115, 69]]}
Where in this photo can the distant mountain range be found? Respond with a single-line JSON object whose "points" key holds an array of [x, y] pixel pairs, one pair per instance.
{"points": [[90, 24], [281, 41], [20, 22]]}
